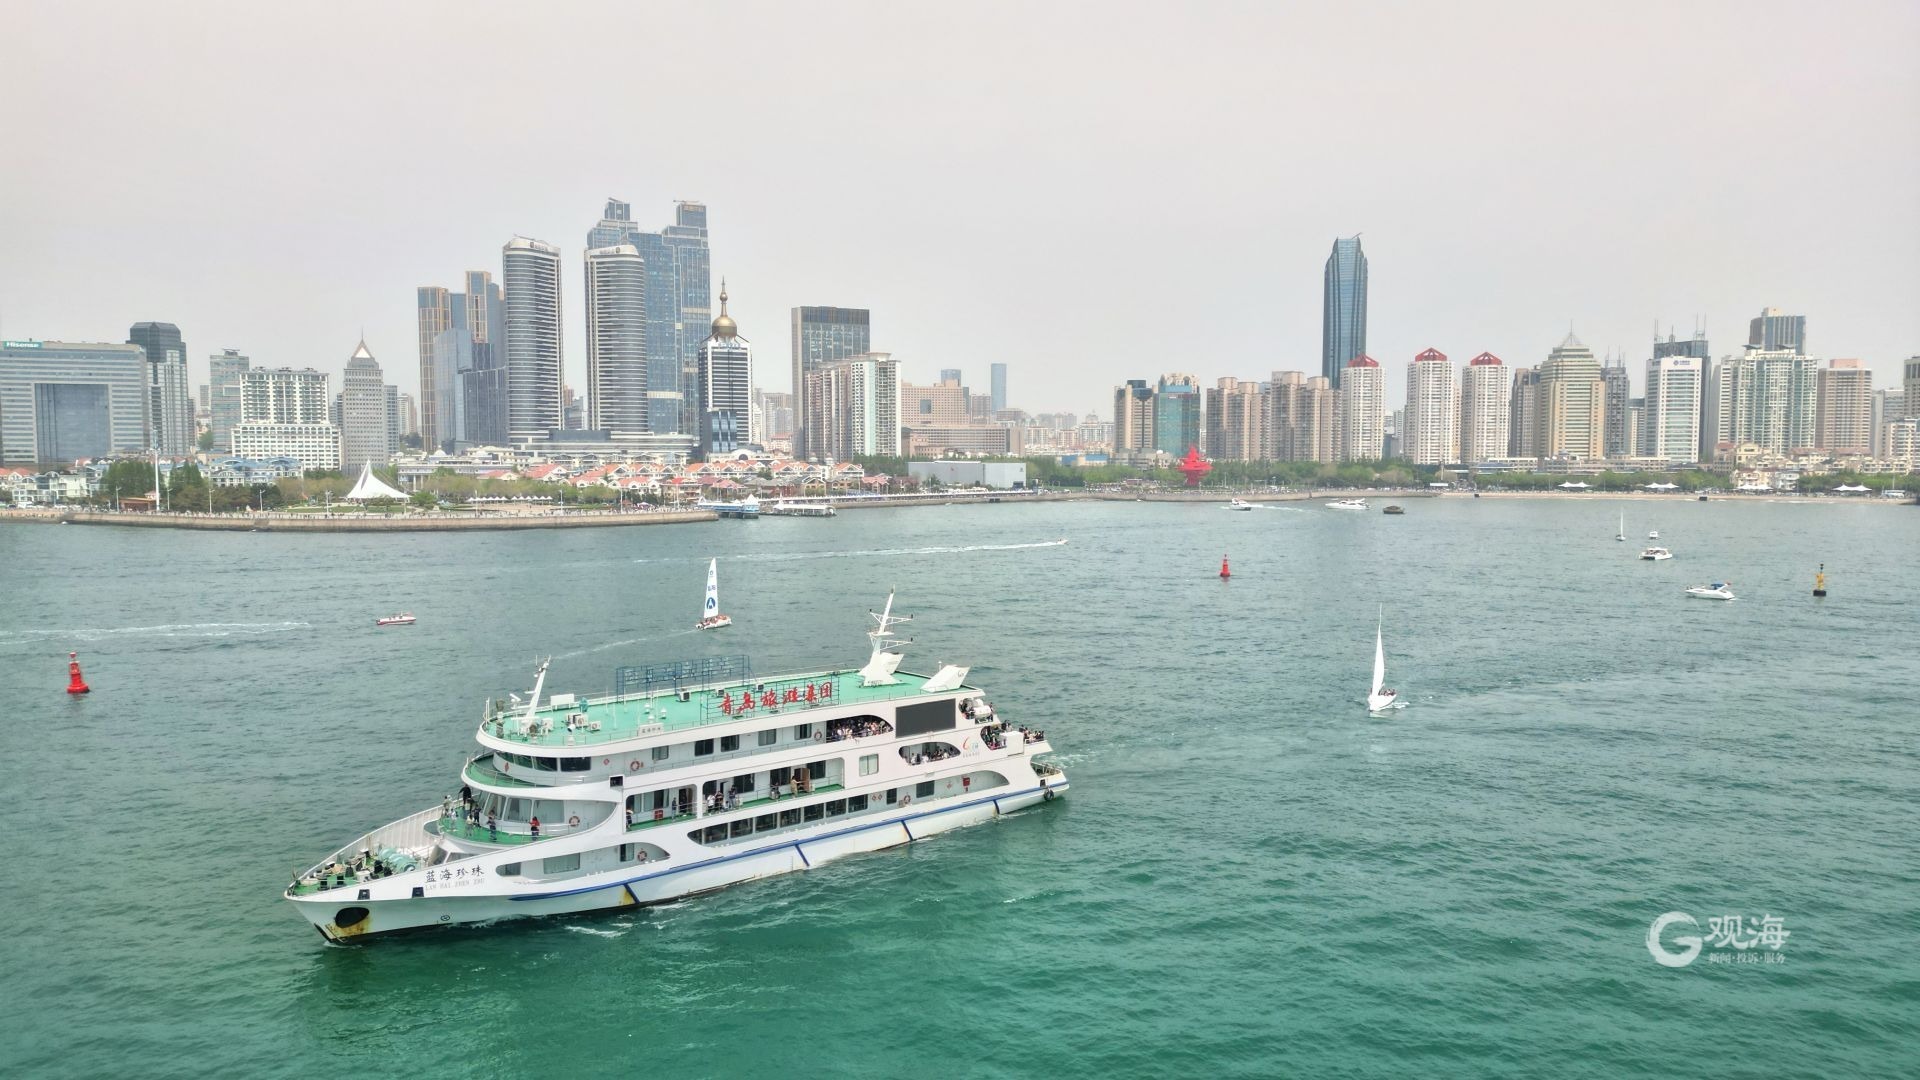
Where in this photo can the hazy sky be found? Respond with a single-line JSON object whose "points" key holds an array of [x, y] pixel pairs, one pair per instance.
{"points": [[1085, 192]]}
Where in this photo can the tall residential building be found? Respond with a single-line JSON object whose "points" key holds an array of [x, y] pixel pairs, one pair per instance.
{"points": [[1363, 403], [482, 406], [1236, 415], [1523, 414], [63, 401], [617, 340], [226, 377], [531, 278], [1133, 416], [1676, 389], [286, 412], [853, 407], [1910, 383], [822, 335], [1884, 404], [1484, 409], [1177, 422], [1636, 425], [1570, 416], [365, 425], [1773, 331], [997, 385], [433, 316], [1303, 418], [1903, 444], [693, 265], [1843, 411], [726, 386], [1618, 387], [1343, 325], [409, 416], [1431, 436], [1769, 398], [170, 401]]}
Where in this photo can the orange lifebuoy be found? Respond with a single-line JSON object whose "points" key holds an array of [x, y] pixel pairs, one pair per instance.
{"points": [[633, 766], [574, 821]]}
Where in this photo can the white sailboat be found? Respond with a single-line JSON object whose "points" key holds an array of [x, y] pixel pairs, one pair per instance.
{"points": [[1622, 534], [1380, 698], [710, 616]]}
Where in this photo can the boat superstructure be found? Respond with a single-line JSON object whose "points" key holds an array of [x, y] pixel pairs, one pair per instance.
{"points": [[687, 777]]}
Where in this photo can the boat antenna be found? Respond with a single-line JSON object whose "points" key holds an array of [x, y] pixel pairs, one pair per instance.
{"points": [[881, 663], [533, 703]]}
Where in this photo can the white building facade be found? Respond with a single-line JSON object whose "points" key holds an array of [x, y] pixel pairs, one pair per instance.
{"points": [[1484, 407], [1362, 410], [1432, 435]]}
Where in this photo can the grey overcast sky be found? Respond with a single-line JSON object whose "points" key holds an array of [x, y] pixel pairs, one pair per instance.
{"points": [[1087, 192]]}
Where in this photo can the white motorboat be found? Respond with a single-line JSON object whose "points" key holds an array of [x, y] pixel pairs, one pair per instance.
{"points": [[1380, 698], [402, 619], [1653, 534], [1656, 554], [1622, 534], [710, 616], [1719, 590], [1239, 504], [1347, 504]]}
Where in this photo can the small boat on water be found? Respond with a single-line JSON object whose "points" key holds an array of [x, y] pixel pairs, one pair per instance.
{"points": [[746, 509], [1347, 504], [402, 619], [1381, 698], [1393, 510], [1656, 554], [1719, 590], [1239, 504], [1653, 534], [798, 509], [710, 616]]}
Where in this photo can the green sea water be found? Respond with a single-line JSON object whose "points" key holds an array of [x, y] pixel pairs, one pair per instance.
{"points": [[1250, 877]]}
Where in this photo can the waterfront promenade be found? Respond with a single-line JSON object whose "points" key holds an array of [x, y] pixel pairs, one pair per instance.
{"points": [[280, 521]]}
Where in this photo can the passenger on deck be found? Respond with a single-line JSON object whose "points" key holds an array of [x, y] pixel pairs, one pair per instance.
{"points": [[493, 832], [533, 828]]}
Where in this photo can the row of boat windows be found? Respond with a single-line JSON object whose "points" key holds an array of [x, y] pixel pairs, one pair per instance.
{"points": [[799, 815], [565, 864], [725, 744]]}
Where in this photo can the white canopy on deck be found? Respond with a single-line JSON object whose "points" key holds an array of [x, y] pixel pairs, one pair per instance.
{"points": [[370, 486]]}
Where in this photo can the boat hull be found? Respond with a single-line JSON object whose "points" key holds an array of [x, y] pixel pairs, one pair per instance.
{"points": [[640, 886]]}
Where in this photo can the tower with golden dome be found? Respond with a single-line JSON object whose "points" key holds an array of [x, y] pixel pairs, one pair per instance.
{"points": [[725, 386]]}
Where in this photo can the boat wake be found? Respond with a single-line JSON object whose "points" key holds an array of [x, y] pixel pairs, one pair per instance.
{"points": [[171, 630], [590, 650], [871, 553]]}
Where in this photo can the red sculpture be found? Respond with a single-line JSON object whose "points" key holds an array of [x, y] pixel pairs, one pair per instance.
{"points": [[1194, 466]]}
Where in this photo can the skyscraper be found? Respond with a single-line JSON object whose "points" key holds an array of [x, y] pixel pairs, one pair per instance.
{"points": [[1236, 415], [726, 386], [1695, 346], [997, 376], [1343, 326], [1484, 409], [462, 342], [1133, 416], [1676, 387], [1522, 414], [617, 340], [1176, 412], [1617, 389], [226, 379], [1570, 417], [62, 401], [1433, 410], [821, 335], [1910, 384], [170, 402], [1303, 418], [531, 276], [1765, 397], [1363, 398], [678, 295], [1774, 331], [1844, 409], [853, 407], [482, 412], [693, 270], [433, 316], [364, 423]]}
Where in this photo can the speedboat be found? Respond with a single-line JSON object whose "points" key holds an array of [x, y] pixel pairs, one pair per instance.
{"points": [[1347, 504], [1719, 590], [710, 616], [1239, 504], [1653, 534], [402, 619], [1393, 510], [1656, 554]]}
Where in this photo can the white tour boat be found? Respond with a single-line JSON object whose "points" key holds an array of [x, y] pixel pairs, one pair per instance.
{"points": [[688, 777], [1239, 504], [1347, 504], [1719, 590], [798, 509], [1380, 698], [1656, 554], [711, 617], [402, 619]]}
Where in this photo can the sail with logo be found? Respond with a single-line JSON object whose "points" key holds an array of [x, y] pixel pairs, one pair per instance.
{"points": [[710, 615]]}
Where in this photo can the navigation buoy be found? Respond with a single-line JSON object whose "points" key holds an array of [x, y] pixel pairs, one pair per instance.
{"points": [[1820, 581], [1225, 573], [75, 684]]}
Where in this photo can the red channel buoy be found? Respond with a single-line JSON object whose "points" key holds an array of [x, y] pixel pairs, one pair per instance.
{"points": [[1225, 573], [75, 684]]}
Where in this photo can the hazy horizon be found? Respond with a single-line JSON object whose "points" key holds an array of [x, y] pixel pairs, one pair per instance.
{"points": [[1085, 193]]}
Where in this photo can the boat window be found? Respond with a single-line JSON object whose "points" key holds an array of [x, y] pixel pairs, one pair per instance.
{"points": [[702, 747], [716, 833], [893, 794], [869, 764], [856, 803], [769, 736], [766, 821], [743, 783], [814, 812], [626, 852], [516, 808], [803, 731], [560, 864], [740, 828], [924, 790], [789, 817], [817, 769], [660, 753], [729, 742], [575, 764], [511, 869], [836, 807], [544, 764]]}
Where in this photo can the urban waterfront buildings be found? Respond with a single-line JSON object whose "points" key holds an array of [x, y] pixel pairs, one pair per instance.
{"points": [[531, 281], [285, 412], [1303, 418], [1363, 402], [63, 401], [1431, 437], [1767, 398], [1676, 386], [1484, 409], [1844, 408], [1133, 416], [725, 381], [1774, 331], [367, 424], [677, 295], [463, 384], [1570, 411], [170, 402], [226, 376], [617, 365], [1177, 413], [1236, 416], [853, 407], [1343, 326], [822, 335]]}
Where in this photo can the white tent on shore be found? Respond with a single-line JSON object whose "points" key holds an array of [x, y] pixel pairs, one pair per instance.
{"points": [[370, 486]]}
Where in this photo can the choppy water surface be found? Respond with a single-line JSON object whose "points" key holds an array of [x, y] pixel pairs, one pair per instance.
{"points": [[1250, 878]]}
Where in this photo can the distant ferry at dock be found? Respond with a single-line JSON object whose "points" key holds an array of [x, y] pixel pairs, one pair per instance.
{"points": [[798, 509], [748, 507], [689, 777]]}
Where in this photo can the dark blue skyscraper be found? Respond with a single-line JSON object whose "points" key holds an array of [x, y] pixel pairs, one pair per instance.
{"points": [[1343, 327], [679, 305]]}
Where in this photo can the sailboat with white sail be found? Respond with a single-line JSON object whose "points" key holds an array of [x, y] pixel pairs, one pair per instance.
{"points": [[710, 616], [1622, 534], [1380, 698]]}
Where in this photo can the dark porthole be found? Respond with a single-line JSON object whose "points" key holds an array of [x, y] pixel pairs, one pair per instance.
{"points": [[348, 917]]}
